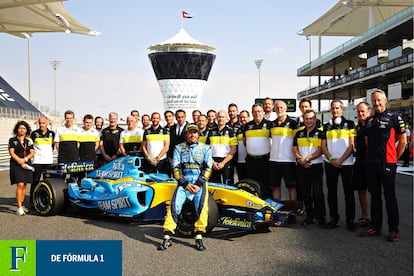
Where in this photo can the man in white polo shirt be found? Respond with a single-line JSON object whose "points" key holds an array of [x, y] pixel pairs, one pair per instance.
{"points": [[155, 146]]}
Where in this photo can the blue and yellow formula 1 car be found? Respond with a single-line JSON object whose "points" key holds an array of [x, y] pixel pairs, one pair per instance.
{"points": [[120, 188]]}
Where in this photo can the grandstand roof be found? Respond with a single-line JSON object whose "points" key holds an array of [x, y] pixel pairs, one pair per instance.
{"points": [[353, 17], [38, 16]]}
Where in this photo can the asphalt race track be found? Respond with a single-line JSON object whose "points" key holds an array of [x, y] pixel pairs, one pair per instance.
{"points": [[290, 250]]}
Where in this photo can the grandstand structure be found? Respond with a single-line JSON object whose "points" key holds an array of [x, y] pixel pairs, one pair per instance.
{"points": [[22, 19], [379, 54]]}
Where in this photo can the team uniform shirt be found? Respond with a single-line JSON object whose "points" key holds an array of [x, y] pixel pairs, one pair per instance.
{"points": [[337, 138], [381, 132], [17, 173], [360, 145], [131, 139], [203, 136], [212, 126], [282, 140], [308, 143], [155, 139], [301, 124], [110, 139], [87, 141], [98, 151], [221, 141], [241, 148], [257, 138], [43, 146], [68, 143], [236, 126]]}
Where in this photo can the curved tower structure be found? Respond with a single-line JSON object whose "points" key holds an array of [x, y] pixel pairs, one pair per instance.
{"points": [[182, 66]]}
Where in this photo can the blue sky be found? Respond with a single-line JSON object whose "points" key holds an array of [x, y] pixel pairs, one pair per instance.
{"points": [[111, 72]]}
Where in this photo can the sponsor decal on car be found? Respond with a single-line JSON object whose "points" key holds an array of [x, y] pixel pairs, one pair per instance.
{"points": [[251, 204], [109, 174], [74, 167], [114, 204], [236, 222]]}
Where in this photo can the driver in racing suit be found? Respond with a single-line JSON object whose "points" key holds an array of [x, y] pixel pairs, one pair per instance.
{"points": [[192, 164]]}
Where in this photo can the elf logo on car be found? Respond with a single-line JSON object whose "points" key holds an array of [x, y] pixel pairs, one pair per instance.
{"points": [[114, 204], [250, 203], [118, 166]]}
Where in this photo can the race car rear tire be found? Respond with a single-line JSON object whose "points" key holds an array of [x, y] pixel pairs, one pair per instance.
{"points": [[249, 185], [185, 224], [49, 196]]}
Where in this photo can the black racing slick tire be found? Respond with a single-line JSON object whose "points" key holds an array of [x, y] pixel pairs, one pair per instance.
{"points": [[249, 185], [185, 223], [49, 196], [213, 214]]}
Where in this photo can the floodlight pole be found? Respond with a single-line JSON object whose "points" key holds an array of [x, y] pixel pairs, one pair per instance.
{"points": [[308, 37], [258, 63], [55, 64], [29, 66]]}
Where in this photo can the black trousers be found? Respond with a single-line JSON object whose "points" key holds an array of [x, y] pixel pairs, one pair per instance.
{"points": [[241, 171], [258, 169], [382, 177], [225, 175], [310, 184], [163, 166], [332, 176]]}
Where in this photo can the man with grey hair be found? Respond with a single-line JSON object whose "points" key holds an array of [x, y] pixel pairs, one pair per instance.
{"points": [[223, 143], [282, 162], [383, 129], [109, 143], [338, 146], [43, 146]]}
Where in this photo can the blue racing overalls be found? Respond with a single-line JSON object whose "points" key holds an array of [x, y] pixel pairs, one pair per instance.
{"points": [[191, 165]]}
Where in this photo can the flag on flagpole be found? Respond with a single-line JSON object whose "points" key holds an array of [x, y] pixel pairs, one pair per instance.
{"points": [[186, 15]]}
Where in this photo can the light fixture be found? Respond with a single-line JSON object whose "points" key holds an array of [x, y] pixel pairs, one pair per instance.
{"points": [[64, 21], [258, 63]]}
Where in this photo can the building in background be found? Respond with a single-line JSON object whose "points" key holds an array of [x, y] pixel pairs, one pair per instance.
{"points": [[379, 55], [182, 66]]}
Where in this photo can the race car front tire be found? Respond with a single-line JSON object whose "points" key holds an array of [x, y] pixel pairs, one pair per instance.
{"points": [[49, 196], [249, 185], [185, 224]]}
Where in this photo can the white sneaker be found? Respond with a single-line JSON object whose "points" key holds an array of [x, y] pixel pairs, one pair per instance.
{"points": [[20, 211], [25, 209]]}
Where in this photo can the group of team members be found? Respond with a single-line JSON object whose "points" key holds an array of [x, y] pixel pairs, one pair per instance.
{"points": [[269, 147]]}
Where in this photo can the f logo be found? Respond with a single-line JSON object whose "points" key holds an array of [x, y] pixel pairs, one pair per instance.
{"points": [[18, 253]]}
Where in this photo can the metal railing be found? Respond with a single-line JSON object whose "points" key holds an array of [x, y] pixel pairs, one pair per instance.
{"points": [[6, 112], [4, 153]]}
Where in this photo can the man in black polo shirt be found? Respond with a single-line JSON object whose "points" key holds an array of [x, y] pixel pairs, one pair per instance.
{"points": [[43, 147], [383, 129], [109, 144]]}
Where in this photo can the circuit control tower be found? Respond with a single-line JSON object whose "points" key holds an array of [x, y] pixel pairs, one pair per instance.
{"points": [[182, 66]]}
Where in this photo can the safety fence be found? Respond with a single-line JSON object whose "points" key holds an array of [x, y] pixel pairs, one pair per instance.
{"points": [[4, 153]]}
